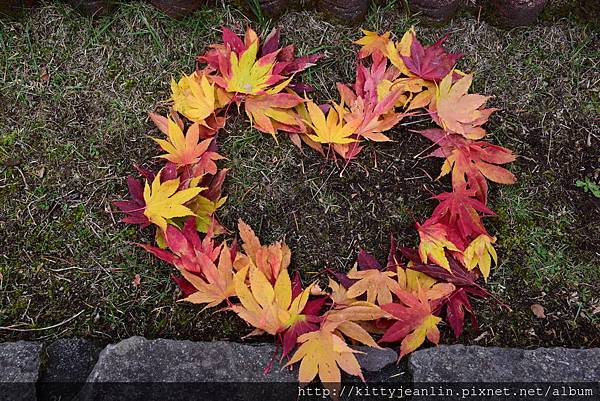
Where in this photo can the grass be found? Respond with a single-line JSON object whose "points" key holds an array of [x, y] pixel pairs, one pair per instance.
{"points": [[73, 102]]}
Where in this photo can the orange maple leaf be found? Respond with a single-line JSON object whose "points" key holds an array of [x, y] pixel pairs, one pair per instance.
{"points": [[183, 149], [372, 43], [378, 285], [269, 259], [270, 112], [217, 284], [457, 111]]}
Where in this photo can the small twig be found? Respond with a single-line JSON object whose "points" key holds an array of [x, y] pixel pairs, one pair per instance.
{"points": [[11, 328]]}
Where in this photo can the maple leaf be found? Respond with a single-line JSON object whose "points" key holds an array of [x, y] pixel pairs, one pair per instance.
{"points": [[205, 174], [331, 130], [271, 260], [271, 112], [471, 162], [461, 208], [187, 251], [305, 322], [415, 322], [216, 283], [432, 63], [182, 150], [308, 320], [395, 51], [322, 352], [248, 75], [415, 93], [372, 43], [205, 210], [374, 115], [134, 208], [457, 111], [414, 281], [434, 242], [265, 306], [365, 260], [377, 284], [246, 67], [468, 165], [480, 252], [165, 201], [194, 97], [339, 293], [355, 311], [367, 80], [457, 303], [299, 138]]}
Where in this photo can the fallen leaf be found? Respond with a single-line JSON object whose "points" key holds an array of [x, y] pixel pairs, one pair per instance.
{"points": [[44, 75], [40, 172], [164, 201], [137, 280], [538, 311], [331, 130]]}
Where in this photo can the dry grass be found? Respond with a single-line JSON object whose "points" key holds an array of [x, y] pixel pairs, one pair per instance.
{"points": [[67, 143]]}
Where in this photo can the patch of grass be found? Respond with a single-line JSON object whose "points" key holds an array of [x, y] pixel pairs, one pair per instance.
{"points": [[588, 186]]}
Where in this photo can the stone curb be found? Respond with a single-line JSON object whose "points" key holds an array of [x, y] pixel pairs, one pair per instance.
{"points": [[459, 363], [137, 360]]}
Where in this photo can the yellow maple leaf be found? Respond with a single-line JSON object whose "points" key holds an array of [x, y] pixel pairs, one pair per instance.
{"points": [[395, 50], [480, 252], [247, 74], [267, 307], [218, 285], [331, 130], [204, 209], [433, 244], [164, 201], [193, 97], [414, 281], [339, 294], [322, 352]]}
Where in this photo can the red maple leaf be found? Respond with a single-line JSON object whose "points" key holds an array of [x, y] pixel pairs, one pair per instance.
{"points": [[461, 209], [415, 322], [186, 249], [431, 63]]}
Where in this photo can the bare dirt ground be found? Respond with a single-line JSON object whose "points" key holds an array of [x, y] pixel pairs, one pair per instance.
{"points": [[73, 103]]}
